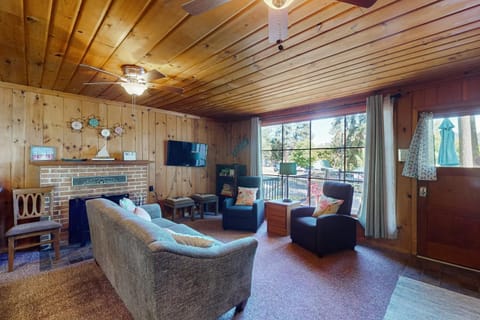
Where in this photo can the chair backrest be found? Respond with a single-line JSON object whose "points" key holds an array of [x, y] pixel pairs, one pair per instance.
{"points": [[251, 182], [32, 203], [340, 190]]}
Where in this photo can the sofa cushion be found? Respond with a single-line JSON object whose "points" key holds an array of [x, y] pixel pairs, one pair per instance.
{"points": [[163, 223], [148, 232], [191, 240], [127, 204], [142, 213]]}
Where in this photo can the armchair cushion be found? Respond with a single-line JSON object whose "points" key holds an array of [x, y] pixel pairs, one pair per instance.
{"points": [[246, 196], [326, 205]]}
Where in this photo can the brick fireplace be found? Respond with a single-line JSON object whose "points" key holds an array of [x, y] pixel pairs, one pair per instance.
{"points": [[61, 175]]}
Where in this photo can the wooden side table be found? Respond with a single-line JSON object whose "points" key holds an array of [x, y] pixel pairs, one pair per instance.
{"points": [[278, 216], [180, 203], [203, 200]]}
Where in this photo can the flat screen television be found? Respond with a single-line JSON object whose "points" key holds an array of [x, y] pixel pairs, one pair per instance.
{"points": [[187, 154]]}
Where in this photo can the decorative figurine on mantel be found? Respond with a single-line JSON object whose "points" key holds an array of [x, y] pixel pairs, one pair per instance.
{"points": [[103, 153]]}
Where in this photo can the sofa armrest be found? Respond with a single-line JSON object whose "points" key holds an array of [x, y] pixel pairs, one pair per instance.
{"points": [[153, 210]]}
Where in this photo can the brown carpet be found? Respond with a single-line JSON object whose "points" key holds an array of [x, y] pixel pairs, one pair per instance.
{"points": [[79, 291], [288, 283]]}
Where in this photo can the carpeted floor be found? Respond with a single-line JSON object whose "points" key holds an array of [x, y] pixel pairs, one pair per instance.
{"points": [[414, 299], [79, 291], [289, 282], [33, 262]]}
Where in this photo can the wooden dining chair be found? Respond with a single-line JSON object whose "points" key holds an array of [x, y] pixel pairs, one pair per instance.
{"points": [[32, 214]]}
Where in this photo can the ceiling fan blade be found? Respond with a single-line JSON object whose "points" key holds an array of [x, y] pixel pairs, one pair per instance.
{"points": [[101, 70], [103, 82], [277, 25], [153, 75], [172, 89], [196, 7], [360, 3]]}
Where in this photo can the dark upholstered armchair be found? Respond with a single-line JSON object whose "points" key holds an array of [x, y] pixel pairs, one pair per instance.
{"points": [[330, 232], [244, 217]]}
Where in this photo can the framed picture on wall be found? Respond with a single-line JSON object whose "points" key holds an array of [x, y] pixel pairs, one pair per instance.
{"points": [[43, 153]]}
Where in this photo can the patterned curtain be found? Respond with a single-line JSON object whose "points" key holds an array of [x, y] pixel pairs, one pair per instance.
{"points": [[420, 163], [378, 212]]}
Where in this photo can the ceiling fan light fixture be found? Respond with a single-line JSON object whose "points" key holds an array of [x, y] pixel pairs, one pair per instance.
{"points": [[134, 88], [278, 4]]}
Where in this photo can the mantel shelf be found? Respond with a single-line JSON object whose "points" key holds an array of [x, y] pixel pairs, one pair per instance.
{"points": [[55, 163]]}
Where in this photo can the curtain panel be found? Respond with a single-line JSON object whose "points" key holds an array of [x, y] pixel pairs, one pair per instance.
{"points": [[255, 147], [378, 212]]}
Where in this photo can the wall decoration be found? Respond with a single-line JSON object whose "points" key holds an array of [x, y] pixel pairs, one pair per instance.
{"points": [[105, 133], [118, 129], [43, 153], [93, 121], [241, 145], [76, 125]]}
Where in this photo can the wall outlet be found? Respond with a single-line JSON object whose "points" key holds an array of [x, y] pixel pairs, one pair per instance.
{"points": [[422, 192]]}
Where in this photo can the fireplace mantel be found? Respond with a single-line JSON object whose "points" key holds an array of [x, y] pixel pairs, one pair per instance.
{"points": [[55, 163]]}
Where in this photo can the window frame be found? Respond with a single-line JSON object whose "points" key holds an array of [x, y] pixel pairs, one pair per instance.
{"points": [[311, 179]]}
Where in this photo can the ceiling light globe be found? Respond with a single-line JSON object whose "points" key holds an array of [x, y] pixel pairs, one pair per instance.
{"points": [[278, 4], [133, 88]]}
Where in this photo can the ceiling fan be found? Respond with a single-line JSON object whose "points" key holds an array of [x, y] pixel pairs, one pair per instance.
{"points": [[277, 13], [134, 79]]}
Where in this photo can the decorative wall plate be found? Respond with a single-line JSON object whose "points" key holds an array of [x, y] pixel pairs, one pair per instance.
{"points": [[93, 121], [105, 133], [77, 125], [118, 130]]}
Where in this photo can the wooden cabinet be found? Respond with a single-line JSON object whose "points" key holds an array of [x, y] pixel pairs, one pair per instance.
{"points": [[278, 216], [227, 180]]}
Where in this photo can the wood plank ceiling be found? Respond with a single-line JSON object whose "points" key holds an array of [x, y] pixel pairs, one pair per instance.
{"points": [[223, 58]]}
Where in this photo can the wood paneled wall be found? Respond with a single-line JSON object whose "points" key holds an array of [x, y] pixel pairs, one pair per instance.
{"points": [[39, 117], [32, 116]]}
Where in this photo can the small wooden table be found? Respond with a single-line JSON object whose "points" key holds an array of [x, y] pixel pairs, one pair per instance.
{"points": [[202, 200], [278, 216], [180, 203]]}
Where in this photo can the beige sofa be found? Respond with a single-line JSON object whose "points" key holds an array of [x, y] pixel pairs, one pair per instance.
{"points": [[158, 278]]}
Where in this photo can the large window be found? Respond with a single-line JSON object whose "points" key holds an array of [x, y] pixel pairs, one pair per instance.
{"points": [[323, 149]]}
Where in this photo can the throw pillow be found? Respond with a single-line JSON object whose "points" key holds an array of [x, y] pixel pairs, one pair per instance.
{"points": [[190, 240], [246, 196], [326, 205], [226, 190], [127, 204], [142, 213]]}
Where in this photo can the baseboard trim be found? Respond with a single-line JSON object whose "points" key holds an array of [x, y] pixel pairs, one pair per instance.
{"points": [[448, 263]]}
